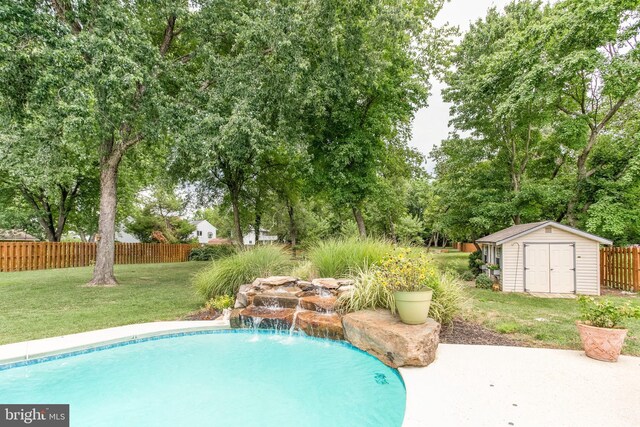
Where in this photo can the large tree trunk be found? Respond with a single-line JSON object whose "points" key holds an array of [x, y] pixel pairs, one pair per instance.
{"points": [[360, 221], [235, 203], [103, 274], [293, 232], [392, 229], [256, 227]]}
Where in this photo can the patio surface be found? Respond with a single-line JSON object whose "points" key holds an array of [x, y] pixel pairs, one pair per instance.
{"points": [[470, 385]]}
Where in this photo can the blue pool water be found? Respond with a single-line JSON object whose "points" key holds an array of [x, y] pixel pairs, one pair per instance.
{"points": [[217, 379]]}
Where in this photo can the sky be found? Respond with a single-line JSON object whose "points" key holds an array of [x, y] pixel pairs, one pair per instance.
{"points": [[430, 125]]}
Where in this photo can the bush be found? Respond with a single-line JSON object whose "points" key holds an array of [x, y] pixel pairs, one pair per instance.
{"points": [[403, 271], [475, 261], [211, 252], [220, 302], [371, 293], [345, 257], [467, 276], [604, 313], [484, 282], [304, 270], [225, 275]]}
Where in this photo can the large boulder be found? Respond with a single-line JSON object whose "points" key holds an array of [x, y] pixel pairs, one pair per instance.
{"points": [[380, 333], [275, 300], [265, 318], [326, 283]]}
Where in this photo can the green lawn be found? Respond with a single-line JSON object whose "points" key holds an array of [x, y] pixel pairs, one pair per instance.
{"points": [[544, 322], [46, 303]]}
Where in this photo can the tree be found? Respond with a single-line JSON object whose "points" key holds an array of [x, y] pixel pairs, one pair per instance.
{"points": [[122, 82], [161, 212], [370, 80], [589, 50]]}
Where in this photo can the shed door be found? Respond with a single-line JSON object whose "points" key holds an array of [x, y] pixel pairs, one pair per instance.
{"points": [[537, 268], [561, 268]]}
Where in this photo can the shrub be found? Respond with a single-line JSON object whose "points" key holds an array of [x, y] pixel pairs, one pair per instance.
{"points": [[475, 261], [220, 302], [225, 275], [343, 257], [606, 314], [467, 276], [370, 292], [304, 270], [211, 252], [484, 282], [402, 271]]}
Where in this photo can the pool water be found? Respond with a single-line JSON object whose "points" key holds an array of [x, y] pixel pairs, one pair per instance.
{"points": [[218, 379]]}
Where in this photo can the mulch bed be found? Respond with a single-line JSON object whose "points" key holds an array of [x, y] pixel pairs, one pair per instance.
{"points": [[464, 332], [203, 314], [617, 292]]}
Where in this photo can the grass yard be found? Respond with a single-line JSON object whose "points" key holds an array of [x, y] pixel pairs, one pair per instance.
{"points": [[543, 322], [46, 303]]}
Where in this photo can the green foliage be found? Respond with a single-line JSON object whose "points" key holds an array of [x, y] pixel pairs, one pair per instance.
{"points": [[370, 293], [212, 252], [493, 267], [484, 282], [305, 270], [344, 257], [220, 302], [161, 213], [475, 261], [603, 313], [467, 276], [507, 327], [406, 271], [225, 275]]}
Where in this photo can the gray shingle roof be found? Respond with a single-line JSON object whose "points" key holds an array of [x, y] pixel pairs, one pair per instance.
{"points": [[510, 232], [516, 230]]}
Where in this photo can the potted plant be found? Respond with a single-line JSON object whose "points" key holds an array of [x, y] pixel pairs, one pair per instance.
{"points": [[411, 278], [600, 330]]}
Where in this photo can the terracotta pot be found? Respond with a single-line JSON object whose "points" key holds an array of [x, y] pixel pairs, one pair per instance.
{"points": [[413, 307], [601, 343]]}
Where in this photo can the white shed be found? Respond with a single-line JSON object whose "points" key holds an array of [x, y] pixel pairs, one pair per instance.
{"points": [[546, 257]]}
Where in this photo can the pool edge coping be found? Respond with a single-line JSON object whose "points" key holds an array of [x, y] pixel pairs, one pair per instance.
{"points": [[52, 346]]}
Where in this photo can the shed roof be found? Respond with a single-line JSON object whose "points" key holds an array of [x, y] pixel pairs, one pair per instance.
{"points": [[518, 230]]}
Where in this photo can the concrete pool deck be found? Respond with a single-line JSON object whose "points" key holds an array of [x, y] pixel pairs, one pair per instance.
{"points": [[467, 385], [473, 385]]}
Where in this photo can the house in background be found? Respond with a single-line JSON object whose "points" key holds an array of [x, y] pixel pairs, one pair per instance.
{"points": [[265, 237], [545, 257], [16, 236], [123, 237], [204, 231]]}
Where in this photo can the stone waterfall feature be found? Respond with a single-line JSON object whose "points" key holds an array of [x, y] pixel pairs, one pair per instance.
{"points": [[287, 303]]}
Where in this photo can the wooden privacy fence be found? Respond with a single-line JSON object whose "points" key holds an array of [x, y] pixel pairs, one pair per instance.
{"points": [[21, 256], [620, 268]]}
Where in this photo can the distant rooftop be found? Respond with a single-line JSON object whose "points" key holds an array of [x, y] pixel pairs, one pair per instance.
{"points": [[17, 235]]}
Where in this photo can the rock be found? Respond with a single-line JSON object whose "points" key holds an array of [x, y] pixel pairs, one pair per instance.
{"points": [[278, 280], [290, 290], [345, 289], [304, 285], [244, 296], [302, 294], [381, 334], [273, 299], [320, 324], [318, 303], [345, 282], [266, 318], [234, 319], [326, 283]]}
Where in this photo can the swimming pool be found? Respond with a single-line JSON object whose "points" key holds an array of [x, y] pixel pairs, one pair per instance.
{"points": [[215, 378]]}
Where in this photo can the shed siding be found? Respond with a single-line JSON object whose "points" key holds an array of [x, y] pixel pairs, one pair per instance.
{"points": [[587, 260]]}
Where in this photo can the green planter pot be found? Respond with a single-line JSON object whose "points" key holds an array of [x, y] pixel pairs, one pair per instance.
{"points": [[413, 307]]}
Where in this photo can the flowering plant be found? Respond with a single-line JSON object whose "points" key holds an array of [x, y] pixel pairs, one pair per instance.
{"points": [[493, 267], [407, 272]]}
